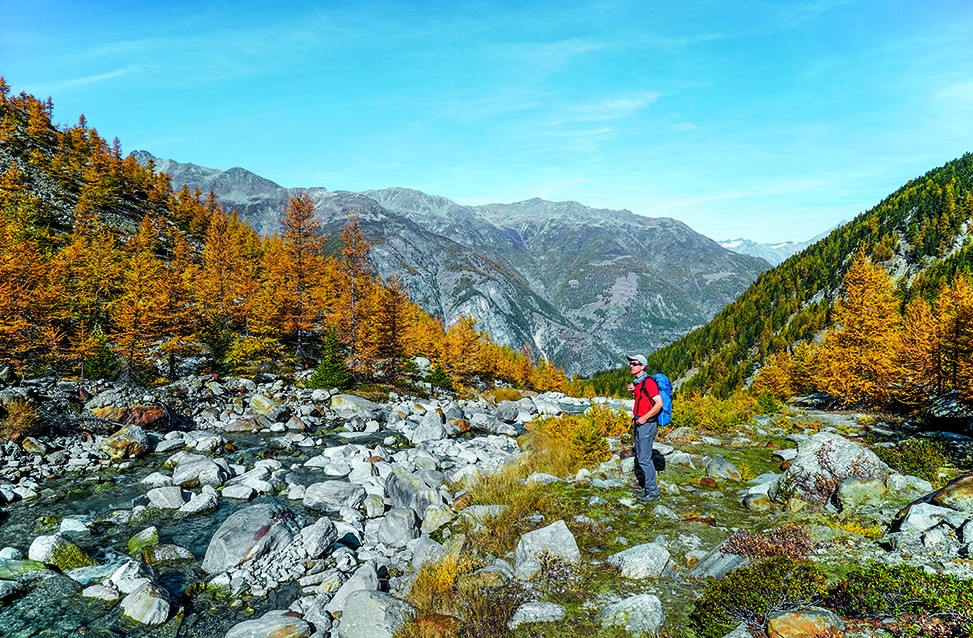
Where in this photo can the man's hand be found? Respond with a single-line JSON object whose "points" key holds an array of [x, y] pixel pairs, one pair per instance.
{"points": [[631, 388]]}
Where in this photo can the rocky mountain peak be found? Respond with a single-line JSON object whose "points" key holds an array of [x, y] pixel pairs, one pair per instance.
{"points": [[581, 286]]}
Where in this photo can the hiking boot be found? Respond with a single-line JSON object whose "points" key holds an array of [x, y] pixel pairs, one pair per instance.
{"points": [[647, 499], [639, 491]]}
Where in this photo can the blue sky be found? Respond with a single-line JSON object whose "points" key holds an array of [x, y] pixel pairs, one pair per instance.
{"points": [[767, 120]]}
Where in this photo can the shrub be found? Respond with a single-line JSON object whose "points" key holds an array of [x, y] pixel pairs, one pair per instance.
{"points": [[439, 378], [19, 417], [919, 457], [705, 412], [877, 589], [792, 541], [750, 594], [434, 589], [332, 372], [565, 443], [503, 394]]}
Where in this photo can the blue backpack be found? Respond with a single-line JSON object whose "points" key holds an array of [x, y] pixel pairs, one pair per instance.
{"points": [[665, 391]]}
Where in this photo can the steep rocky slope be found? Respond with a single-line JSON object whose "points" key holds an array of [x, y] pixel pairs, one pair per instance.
{"points": [[580, 286]]}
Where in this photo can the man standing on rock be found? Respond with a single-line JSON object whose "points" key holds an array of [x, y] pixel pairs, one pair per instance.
{"points": [[645, 425]]}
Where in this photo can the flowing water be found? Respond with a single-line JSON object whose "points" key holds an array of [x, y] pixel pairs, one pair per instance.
{"points": [[52, 604]]}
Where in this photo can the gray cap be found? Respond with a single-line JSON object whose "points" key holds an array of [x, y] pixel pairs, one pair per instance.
{"points": [[640, 358]]}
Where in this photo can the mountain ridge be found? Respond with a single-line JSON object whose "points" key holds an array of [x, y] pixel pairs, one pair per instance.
{"points": [[574, 284]]}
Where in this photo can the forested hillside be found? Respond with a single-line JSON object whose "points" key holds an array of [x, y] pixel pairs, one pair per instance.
{"points": [[920, 238], [105, 271]]}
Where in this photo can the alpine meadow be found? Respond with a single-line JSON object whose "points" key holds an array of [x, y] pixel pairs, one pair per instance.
{"points": [[259, 412]]}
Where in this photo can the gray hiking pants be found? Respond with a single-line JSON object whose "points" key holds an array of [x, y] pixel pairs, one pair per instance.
{"points": [[644, 436]]}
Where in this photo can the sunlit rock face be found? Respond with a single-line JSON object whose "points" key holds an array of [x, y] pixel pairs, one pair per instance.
{"points": [[580, 286]]}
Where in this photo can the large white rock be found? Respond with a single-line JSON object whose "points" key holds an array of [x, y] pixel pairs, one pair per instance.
{"points": [[642, 561], [149, 605], [249, 534], [373, 614], [637, 614]]}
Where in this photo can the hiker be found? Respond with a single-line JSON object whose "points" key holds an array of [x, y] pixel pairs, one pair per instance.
{"points": [[645, 425]]}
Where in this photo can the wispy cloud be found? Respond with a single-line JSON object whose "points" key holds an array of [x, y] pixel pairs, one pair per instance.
{"points": [[52, 88]]}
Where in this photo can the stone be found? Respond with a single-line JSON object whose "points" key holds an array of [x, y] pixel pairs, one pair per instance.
{"points": [[193, 470], [318, 537], [373, 614], [536, 612], [399, 526], [408, 490], [719, 467], [854, 492], [129, 442], [10, 588], [59, 552], [206, 501], [823, 460], [331, 496], [273, 624], [553, 541], [166, 554], [171, 497], [642, 613], [148, 605], [956, 495], [642, 561], [808, 623], [250, 533], [918, 517], [349, 406], [146, 538], [103, 593], [364, 579]]}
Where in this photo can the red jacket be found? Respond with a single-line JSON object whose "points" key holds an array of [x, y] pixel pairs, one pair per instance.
{"points": [[644, 391]]}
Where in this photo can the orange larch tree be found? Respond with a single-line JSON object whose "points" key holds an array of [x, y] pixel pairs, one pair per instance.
{"points": [[858, 359]]}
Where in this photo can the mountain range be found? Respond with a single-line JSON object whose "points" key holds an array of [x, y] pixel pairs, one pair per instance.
{"points": [[922, 235], [774, 253], [577, 285]]}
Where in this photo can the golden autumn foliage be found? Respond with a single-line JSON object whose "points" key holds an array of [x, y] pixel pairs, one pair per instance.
{"points": [[859, 356], [137, 277], [877, 355]]}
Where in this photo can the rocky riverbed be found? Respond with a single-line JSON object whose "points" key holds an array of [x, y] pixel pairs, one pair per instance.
{"points": [[242, 508]]}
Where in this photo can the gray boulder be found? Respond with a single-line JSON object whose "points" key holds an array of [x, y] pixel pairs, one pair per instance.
{"points": [[642, 561], [331, 496], [823, 460], [318, 537], [408, 490], [399, 526], [249, 534], [373, 614], [553, 541], [365, 579], [637, 614], [536, 612], [148, 605], [273, 624], [348, 406]]}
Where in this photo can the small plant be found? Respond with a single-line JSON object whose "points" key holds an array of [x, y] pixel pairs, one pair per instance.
{"points": [[746, 472], [19, 417], [503, 394], [332, 372], [439, 378], [750, 594], [434, 589], [871, 532], [909, 594], [919, 457], [792, 541]]}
